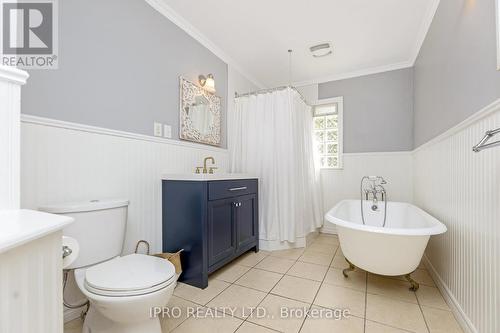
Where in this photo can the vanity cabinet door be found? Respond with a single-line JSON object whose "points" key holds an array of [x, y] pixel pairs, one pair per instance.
{"points": [[246, 220], [221, 230]]}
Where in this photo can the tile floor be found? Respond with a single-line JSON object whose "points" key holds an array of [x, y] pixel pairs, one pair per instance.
{"points": [[310, 278]]}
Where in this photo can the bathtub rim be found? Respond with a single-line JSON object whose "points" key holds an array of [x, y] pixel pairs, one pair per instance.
{"points": [[437, 228]]}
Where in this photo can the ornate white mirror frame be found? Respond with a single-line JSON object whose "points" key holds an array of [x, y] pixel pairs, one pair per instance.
{"points": [[190, 96]]}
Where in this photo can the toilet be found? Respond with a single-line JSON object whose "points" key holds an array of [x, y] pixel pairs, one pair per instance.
{"points": [[122, 290]]}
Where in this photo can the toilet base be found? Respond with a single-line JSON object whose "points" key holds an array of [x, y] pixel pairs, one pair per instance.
{"points": [[97, 323]]}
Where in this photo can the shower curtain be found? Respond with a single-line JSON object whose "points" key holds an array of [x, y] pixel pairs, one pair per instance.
{"points": [[270, 136]]}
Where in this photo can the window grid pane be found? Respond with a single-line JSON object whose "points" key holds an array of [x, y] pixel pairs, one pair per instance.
{"points": [[326, 138]]}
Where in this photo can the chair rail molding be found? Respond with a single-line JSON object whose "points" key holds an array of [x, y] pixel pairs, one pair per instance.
{"points": [[11, 80]]}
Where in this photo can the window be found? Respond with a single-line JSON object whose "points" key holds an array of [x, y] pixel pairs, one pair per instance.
{"points": [[327, 132]]}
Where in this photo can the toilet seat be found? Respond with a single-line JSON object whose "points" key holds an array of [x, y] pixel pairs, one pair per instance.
{"points": [[130, 275]]}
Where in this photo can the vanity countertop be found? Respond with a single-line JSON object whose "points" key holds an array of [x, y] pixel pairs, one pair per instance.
{"points": [[18, 227], [208, 176]]}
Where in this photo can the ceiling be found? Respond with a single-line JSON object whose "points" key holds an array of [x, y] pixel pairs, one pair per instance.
{"points": [[367, 36]]}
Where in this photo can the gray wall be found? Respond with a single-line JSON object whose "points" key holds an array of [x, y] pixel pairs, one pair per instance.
{"points": [[378, 110], [118, 68], [455, 72]]}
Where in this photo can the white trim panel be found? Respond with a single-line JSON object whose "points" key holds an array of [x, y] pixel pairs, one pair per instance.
{"points": [[461, 189], [106, 131]]}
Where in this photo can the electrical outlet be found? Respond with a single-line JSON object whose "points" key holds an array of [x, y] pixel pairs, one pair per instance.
{"points": [[167, 131], [158, 129]]}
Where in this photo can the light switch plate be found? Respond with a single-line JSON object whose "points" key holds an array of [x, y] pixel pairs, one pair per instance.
{"points": [[167, 131], [158, 129]]}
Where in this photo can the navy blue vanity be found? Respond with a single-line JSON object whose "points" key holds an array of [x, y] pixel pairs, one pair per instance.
{"points": [[213, 220]]}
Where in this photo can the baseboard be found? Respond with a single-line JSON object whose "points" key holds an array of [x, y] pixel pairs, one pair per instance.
{"points": [[457, 310]]}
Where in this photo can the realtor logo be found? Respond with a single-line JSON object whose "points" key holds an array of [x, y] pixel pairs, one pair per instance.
{"points": [[28, 36]]}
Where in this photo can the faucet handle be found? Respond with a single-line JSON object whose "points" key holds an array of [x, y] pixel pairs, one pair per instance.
{"points": [[211, 169], [198, 169]]}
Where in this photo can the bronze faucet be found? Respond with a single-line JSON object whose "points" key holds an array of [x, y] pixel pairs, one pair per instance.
{"points": [[205, 169]]}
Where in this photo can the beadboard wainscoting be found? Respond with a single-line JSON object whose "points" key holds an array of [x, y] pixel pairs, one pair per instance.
{"points": [[462, 189], [340, 184], [64, 162]]}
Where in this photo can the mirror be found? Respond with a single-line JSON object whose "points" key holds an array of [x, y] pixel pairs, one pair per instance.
{"points": [[200, 114]]}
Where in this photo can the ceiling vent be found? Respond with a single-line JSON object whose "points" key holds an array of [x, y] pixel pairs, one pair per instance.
{"points": [[321, 50]]}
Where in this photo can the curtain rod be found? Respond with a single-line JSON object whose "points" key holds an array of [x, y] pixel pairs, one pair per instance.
{"points": [[265, 91]]}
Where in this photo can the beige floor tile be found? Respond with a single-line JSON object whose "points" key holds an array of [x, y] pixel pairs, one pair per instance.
{"points": [[395, 313], [210, 324], [373, 327], [397, 289], [251, 259], [422, 276], [441, 321], [259, 279], [350, 324], [327, 240], [335, 297], [431, 296], [172, 319], [297, 288], [339, 260], [275, 264], [248, 327], [292, 254], [308, 271], [356, 280], [323, 248], [316, 258], [274, 317], [237, 301], [230, 273], [200, 296], [74, 326]]}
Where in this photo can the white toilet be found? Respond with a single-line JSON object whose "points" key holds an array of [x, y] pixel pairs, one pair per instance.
{"points": [[121, 290]]}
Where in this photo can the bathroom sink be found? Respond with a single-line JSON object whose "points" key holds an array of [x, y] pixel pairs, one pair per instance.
{"points": [[207, 176]]}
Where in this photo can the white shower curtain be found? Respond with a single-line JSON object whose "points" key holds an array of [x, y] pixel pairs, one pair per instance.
{"points": [[270, 136]]}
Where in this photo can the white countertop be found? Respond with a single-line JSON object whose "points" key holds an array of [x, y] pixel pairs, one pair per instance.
{"points": [[207, 176], [18, 227]]}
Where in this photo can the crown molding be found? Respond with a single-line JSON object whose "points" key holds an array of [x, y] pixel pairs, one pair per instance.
{"points": [[13, 74], [424, 29], [353, 74], [182, 23], [162, 7]]}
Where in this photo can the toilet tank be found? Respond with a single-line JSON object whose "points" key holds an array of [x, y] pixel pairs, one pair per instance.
{"points": [[99, 228]]}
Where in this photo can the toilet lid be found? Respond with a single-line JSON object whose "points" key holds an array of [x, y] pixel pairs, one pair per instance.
{"points": [[130, 274]]}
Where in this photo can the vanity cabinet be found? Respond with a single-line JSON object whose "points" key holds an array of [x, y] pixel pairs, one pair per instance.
{"points": [[214, 221]]}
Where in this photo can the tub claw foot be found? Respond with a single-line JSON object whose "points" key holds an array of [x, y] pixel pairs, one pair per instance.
{"points": [[348, 269], [414, 284]]}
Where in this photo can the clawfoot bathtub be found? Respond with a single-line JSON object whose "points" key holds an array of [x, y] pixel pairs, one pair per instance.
{"points": [[395, 249]]}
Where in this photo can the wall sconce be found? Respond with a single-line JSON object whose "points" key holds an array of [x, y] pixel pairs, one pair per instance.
{"points": [[207, 83]]}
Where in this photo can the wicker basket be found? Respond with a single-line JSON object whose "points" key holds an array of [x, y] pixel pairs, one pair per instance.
{"points": [[174, 258]]}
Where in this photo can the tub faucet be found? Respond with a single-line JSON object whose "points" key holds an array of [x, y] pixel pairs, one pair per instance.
{"points": [[375, 187]]}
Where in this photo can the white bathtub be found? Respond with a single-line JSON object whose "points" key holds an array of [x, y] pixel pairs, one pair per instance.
{"points": [[395, 249]]}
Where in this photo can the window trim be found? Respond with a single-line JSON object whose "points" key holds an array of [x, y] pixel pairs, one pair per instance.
{"points": [[340, 119]]}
